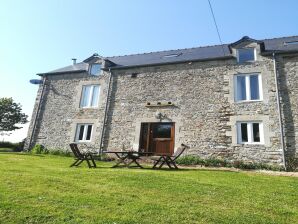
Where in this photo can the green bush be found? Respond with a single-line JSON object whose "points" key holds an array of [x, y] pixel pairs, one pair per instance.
{"points": [[59, 152], [216, 162], [39, 149], [190, 160], [292, 164], [259, 166]]}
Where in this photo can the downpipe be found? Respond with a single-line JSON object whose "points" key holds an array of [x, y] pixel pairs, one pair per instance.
{"points": [[37, 112], [105, 115], [279, 112]]}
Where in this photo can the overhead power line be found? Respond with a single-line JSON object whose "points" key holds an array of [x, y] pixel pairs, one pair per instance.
{"points": [[223, 50]]}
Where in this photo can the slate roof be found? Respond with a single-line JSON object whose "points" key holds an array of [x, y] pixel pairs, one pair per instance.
{"points": [[281, 44], [172, 56], [182, 55], [79, 67]]}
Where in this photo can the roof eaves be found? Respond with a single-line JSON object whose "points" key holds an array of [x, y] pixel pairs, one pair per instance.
{"points": [[59, 73]]}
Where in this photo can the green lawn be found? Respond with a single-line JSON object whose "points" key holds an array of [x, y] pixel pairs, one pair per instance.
{"points": [[43, 189], [6, 150]]}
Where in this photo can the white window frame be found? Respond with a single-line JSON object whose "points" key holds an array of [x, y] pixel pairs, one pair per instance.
{"points": [[250, 132], [255, 54], [85, 132], [90, 69], [247, 87], [90, 97]]}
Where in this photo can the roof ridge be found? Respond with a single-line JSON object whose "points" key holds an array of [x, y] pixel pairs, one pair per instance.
{"points": [[167, 50], [279, 37], [206, 46]]}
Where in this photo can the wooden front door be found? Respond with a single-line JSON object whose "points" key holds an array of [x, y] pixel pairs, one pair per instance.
{"points": [[157, 137]]}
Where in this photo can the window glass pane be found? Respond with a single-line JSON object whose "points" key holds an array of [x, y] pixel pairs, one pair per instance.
{"points": [[95, 69], [81, 132], [241, 89], [256, 132], [246, 55], [244, 137], [89, 130], [95, 96], [85, 96], [162, 130], [254, 87]]}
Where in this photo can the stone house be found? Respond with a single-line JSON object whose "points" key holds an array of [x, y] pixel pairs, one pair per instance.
{"points": [[236, 101]]}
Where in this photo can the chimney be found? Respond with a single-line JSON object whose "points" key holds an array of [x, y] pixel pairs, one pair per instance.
{"points": [[74, 61]]}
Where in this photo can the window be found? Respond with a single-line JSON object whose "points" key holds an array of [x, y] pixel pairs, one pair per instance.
{"points": [[248, 87], [250, 133], [95, 69], [162, 130], [246, 55], [83, 133], [90, 96]]}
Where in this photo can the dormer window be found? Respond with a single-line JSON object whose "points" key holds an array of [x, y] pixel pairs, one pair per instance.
{"points": [[246, 55], [95, 69]]}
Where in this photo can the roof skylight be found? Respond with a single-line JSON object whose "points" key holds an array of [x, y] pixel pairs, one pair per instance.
{"points": [[172, 55], [291, 42]]}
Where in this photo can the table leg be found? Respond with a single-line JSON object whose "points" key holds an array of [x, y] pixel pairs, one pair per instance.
{"points": [[134, 160], [121, 160]]}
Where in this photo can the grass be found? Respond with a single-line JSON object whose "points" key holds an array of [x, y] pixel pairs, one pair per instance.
{"points": [[43, 189], [6, 150]]}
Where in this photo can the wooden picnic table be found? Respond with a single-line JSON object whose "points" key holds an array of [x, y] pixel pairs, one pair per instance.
{"points": [[129, 158]]}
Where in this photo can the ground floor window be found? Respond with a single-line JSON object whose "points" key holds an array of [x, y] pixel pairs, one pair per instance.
{"points": [[83, 132], [250, 132]]}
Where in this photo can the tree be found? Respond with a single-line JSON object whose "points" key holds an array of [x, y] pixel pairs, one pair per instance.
{"points": [[10, 115]]}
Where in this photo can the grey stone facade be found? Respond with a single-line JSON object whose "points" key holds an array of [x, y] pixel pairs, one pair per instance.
{"points": [[60, 112], [288, 80], [204, 110]]}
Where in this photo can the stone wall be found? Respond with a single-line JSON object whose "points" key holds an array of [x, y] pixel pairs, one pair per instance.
{"points": [[60, 112], [288, 80], [204, 109]]}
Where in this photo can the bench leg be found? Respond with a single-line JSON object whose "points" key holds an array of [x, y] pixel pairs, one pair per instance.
{"points": [[172, 162], [88, 162], [156, 162], [94, 164], [75, 163]]}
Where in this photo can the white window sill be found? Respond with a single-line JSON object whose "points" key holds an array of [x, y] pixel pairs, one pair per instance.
{"points": [[250, 143], [93, 108], [245, 62], [83, 141], [99, 74], [248, 101]]}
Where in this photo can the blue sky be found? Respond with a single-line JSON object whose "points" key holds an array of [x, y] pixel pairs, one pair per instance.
{"points": [[39, 36]]}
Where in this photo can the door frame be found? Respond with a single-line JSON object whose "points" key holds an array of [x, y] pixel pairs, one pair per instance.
{"points": [[178, 140], [149, 137]]}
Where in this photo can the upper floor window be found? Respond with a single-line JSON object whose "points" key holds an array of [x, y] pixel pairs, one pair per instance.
{"points": [[248, 87], [90, 96], [83, 133], [246, 55], [95, 69], [250, 132]]}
